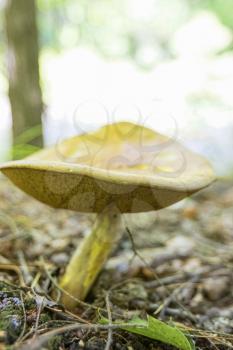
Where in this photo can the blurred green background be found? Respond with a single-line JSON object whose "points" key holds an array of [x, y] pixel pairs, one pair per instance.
{"points": [[168, 63]]}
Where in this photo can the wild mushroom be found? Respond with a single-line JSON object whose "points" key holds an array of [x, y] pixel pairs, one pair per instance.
{"points": [[121, 168]]}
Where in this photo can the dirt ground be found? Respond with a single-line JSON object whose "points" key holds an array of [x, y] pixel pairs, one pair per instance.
{"points": [[174, 264]]}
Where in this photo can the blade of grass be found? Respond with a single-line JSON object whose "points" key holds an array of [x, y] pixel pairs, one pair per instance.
{"points": [[158, 330]]}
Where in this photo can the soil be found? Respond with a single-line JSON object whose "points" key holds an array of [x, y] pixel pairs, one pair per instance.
{"points": [[174, 264]]}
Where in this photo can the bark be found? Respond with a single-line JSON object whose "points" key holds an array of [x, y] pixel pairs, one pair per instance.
{"points": [[23, 67]]}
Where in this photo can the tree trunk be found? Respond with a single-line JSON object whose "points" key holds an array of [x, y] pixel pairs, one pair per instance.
{"points": [[23, 67]]}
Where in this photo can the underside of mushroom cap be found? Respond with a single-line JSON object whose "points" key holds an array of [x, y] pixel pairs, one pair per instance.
{"points": [[129, 165]]}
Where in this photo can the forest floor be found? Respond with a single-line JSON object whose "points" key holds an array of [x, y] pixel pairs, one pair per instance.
{"points": [[176, 265]]}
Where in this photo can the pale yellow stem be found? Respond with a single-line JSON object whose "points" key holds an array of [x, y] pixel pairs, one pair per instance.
{"points": [[90, 257]]}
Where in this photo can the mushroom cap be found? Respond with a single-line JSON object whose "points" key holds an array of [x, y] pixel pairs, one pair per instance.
{"points": [[129, 165]]}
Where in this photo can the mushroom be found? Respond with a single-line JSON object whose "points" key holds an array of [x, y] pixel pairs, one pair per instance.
{"points": [[121, 168]]}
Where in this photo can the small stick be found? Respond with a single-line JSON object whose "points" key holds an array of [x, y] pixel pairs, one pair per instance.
{"points": [[37, 343], [109, 341]]}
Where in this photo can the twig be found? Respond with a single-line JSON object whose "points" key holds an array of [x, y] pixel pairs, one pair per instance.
{"points": [[24, 268], [109, 341], [173, 297], [37, 343], [39, 310], [180, 278], [16, 269], [173, 312], [24, 320], [136, 253]]}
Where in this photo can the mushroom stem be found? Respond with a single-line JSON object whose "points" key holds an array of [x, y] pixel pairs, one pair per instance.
{"points": [[90, 257]]}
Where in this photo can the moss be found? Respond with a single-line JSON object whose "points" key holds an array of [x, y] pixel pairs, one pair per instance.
{"points": [[11, 322], [29, 303], [44, 317], [7, 288], [13, 329], [11, 312], [54, 343]]}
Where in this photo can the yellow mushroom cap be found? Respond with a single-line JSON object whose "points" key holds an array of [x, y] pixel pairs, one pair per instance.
{"points": [[129, 165]]}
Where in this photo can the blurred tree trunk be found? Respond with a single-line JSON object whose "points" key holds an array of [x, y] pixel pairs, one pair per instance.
{"points": [[23, 67]]}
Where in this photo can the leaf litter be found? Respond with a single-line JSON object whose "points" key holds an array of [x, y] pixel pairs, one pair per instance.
{"points": [[173, 266]]}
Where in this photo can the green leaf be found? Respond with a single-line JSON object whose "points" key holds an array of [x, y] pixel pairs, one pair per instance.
{"points": [[29, 135], [22, 151], [158, 330]]}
